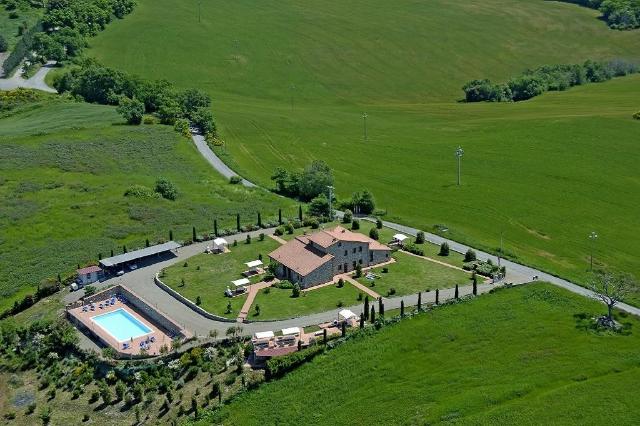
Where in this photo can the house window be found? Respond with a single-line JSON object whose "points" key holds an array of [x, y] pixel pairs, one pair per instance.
{"points": [[354, 249], [339, 267], [339, 243], [346, 252], [360, 261], [370, 256], [386, 255], [360, 248]]}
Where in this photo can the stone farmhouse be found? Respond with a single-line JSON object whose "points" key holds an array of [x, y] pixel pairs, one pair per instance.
{"points": [[316, 258]]}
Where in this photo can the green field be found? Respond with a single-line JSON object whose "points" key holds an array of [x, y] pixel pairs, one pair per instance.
{"points": [[65, 168], [545, 172], [9, 26], [518, 356], [278, 303], [208, 275], [410, 274]]}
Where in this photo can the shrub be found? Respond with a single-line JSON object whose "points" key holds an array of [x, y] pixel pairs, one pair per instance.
{"points": [[378, 223], [181, 126], [348, 216], [358, 273], [637, 115], [469, 256], [149, 120], [444, 249], [355, 224], [198, 301], [89, 290], [284, 284], [340, 304], [420, 237], [234, 180], [140, 191], [385, 270], [166, 189], [391, 291], [279, 231], [295, 292], [340, 283], [132, 110], [373, 233], [248, 240], [412, 248], [289, 228], [277, 367]]}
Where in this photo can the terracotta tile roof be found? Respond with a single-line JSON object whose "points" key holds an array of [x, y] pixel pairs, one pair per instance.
{"points": [[342, 234], [298, 256], [271, 352], [88, 270]]}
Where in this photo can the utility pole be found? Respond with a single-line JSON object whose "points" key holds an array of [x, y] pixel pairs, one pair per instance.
{"points": [[331, 188], [459, 154], [500, 253], [364, 118], [292, 88], [593, 237]]}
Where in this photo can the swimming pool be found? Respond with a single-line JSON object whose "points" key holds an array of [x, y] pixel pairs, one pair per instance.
{"points": [[121, 325]]}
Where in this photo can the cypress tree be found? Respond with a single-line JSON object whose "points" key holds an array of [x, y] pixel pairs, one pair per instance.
{"points": [[99, 256], [437, 296], [279, 216], [124, 249], [366, 307], [147, 243], [324, 336], [381, 309], [402, 308], [111, 252], [380, 305], [475, 288], [362, 320], [419, 300], [300, 213], [170, 235], [238, 222], [193, 234], [215, 227], [456, 293], [59, 278], [372, 316], [344, 329]]}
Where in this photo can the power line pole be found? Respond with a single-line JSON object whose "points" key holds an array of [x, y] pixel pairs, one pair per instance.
{"points": [[331, 188], [459, 154], [501, 249], [364, 118], [593, 237]]}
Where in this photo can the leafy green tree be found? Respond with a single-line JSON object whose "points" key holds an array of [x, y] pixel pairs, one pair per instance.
{"points": [[131, 110], [469, 256], [348, 216], [319, 206], [444, 249], [295, 292], [203, 119], [281, 178], [315, 179], [420, 237], [355, 224], [373, 233], [192, 100], [378, 223]]}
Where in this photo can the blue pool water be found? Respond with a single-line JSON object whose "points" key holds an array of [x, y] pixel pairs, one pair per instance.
{"points": [[121, 325]]}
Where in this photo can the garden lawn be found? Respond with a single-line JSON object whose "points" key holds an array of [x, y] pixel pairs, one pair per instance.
{"points": [[278, 304], [411, 274], [545, 172], [518, 356], [9, 26], [209, 275], [64, 170]]}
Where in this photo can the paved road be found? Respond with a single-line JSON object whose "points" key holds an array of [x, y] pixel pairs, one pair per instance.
{"points": [[519, 270], [215, 161], [35, 82]]}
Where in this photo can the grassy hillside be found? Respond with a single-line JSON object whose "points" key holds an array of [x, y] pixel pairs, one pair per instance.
{"points": [[545, 172], [65, 169], [515, 357]]}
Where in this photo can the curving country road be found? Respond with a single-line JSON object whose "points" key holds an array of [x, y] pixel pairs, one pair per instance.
{"points": [[35, 82], [214, 160]]}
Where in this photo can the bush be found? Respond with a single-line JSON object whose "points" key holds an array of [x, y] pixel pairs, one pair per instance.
{"points": [[89, 290], [373, 233], [355, 224], [385, 270], [412, 248], [358, 273], [284, 284], [295, 292], [637, 115], [277, 367], [234, 180], [469, 256], [166, 189], [444, 249], [391, 291], [132, 110], [181, 126], [279, 231], [378, 223], [140, 191], [347, 217], [420, 237], [248, 239], [340, 283]]}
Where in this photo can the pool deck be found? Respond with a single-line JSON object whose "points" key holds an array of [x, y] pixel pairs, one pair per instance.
{"points": [[153, 348]]}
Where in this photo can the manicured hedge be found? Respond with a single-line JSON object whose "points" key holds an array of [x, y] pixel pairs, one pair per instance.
{"points": [[277, 367]]}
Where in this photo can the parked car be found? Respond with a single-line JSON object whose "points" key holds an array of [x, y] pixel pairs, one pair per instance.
{"points": [[74, 286], [133, 267], [120, 273]]}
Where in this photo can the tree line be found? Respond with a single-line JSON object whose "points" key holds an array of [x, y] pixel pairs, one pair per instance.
{"points": [[136, 96], [534, 82], [618, 14]]}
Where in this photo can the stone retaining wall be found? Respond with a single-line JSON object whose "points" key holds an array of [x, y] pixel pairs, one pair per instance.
{"points": [[188, 302]]}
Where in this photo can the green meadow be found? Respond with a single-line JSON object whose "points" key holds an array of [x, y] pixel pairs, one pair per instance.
{"points": [[290, 81], [519, 356], [65, 169]]}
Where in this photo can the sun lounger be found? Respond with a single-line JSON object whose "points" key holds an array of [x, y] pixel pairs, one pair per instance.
{"points": [[152, 339]]}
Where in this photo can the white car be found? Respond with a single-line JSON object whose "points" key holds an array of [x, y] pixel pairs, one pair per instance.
{"points": [[133, 267], [120, 273]]}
